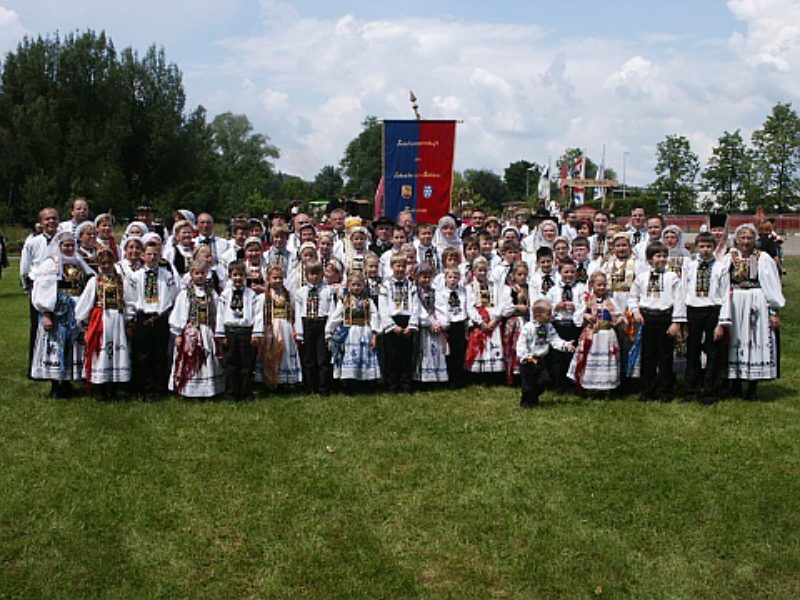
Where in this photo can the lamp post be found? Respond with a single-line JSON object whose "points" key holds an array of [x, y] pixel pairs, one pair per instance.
{"points": [[624, 165]]}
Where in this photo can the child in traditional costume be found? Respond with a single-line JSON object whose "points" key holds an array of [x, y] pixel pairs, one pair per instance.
{"points": [[706, 283], [104, 224], [149, 301], [101, 309], [432, 355], [313, 304], [658, 303], [533, 345], [86, 236], [457, 321], [596, 364], [486, 307], [351, 330], [521, 314], [196, 372], [278, 357], [239, 330], [255, 265], [179, 251], [399, 319], [567, 298]]}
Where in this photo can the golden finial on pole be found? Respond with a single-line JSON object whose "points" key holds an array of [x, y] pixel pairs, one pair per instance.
{"points": [[413, 99]]}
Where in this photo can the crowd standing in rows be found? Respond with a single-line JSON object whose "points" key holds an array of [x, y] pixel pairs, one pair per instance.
{"points": [[290, 304]]}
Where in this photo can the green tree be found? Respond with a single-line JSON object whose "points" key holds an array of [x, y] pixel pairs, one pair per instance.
{"points": [[729, 169], [245, 161], [78, 117], [488, 185], [676, 172], [362, 164], [295, 188], [328, 183], [522, 178], [777, 146]]}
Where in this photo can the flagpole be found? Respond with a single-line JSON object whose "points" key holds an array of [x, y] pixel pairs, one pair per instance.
{"points": [[413, 99]]}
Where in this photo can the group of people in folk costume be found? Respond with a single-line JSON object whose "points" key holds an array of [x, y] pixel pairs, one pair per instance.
{"points": [[573, 305]]}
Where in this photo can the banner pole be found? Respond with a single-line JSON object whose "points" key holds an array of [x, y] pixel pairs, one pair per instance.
{"points": [[383, 167]]}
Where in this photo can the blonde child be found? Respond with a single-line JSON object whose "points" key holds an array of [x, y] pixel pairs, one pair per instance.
{"points": [[352, 332], [596, 364], [532, 347], [279, 358], [196, 371]]}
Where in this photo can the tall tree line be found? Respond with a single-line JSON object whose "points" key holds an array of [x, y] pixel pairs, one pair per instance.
{"points": [[77, 117]]}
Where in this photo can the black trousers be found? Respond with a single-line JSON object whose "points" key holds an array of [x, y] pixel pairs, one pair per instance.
{"points": [[656, 353], [701, 322], [33, 315], [317, 369], [240, 360], [559, 361], [398, 357], [457, 342], [533, 378], [151, 365]]}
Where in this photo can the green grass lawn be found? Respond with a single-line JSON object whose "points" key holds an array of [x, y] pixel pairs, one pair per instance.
{"points": [[436, 495]]}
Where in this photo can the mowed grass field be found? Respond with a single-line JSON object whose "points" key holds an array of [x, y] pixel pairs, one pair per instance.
{"points": [[437, 495]]}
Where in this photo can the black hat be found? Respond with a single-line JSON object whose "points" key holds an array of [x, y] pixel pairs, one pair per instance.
{"points": [[278, 212], [383, 220], [717, 219]]}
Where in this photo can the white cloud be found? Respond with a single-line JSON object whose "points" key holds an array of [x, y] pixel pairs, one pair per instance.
{"points": [[11, 30], [522, 90], [772, 39]]}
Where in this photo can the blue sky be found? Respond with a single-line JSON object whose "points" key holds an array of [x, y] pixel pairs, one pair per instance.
{"points": [[528, 79]]}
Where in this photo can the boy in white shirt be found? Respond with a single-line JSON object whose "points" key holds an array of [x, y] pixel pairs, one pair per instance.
{"points": [[706, 282], [533, 344], [313, 303], [658, 303]]}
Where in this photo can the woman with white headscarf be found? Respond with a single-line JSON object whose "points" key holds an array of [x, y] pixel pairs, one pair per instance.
{"points": [[677, 252], [446, 235], [757, 298], [58, 282]]}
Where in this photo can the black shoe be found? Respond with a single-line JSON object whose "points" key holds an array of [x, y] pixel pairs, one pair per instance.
{"points": [[665, 399], [708, 400]]}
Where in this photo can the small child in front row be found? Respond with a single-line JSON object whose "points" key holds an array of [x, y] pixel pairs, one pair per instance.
{"points": [[457, 320], [238, 309], [431, 361], [399, 314], [352, 330], [313, 304], [567, 298], [596, 364], [102, 307], [196, 372], [658, 303], [533, 344], [279, 358]]}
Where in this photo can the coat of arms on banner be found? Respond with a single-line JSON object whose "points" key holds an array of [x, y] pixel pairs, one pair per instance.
{"points": [[406, 191], [427, 191]]}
